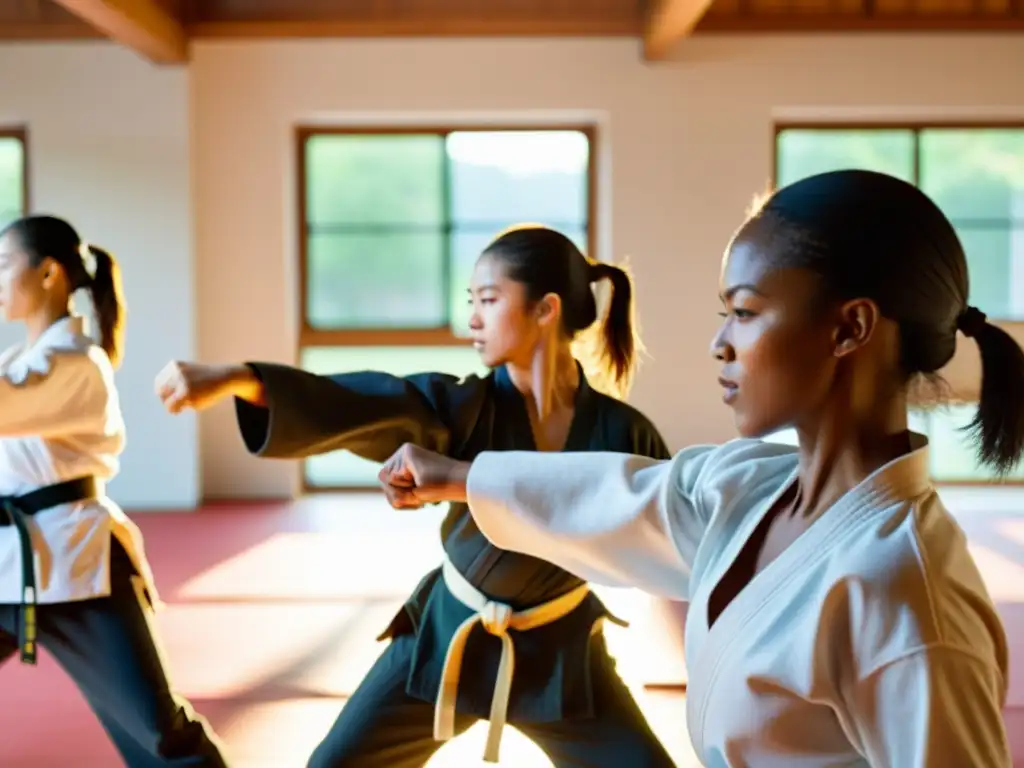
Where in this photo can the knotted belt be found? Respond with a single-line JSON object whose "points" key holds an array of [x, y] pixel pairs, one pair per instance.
{"points": [[496, 618], [15, 510]]}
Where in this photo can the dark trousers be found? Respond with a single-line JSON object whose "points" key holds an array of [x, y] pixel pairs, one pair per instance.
{"points": [[107, 647], [382, 727]]}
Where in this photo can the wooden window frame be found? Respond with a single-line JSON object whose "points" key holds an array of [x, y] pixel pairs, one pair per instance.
{"points": [[916, 127], [20, 132], [397, 337], [392, 337]]}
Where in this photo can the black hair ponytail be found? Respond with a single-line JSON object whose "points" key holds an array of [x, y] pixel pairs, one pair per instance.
{"points": [[108, 299], [998, 427], [618, 351]]}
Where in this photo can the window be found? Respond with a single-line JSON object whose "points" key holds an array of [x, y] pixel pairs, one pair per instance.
{"points": [[13, 176], [976, 175], [392, 224]]}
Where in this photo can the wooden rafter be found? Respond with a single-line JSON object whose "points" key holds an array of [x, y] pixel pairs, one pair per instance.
{"points": [[141, 25], [668, 22]]}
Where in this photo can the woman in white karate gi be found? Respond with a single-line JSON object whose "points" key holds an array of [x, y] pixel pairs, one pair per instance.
{"points": [[73, 576], [837, 617]]}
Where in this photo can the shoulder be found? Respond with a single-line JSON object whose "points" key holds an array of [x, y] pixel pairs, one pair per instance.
{"points": [[726, 483], [629, 429], [447, 393], [961, 610], [71, 360], [913, 583], [739, 467], [449, 385]]}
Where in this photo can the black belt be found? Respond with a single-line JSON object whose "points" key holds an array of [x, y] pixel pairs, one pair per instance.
{"points": [[15, 511]]}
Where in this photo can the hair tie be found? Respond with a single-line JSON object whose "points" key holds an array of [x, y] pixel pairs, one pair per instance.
{"points": [[971, 321], [88, 260], [598, 271]]}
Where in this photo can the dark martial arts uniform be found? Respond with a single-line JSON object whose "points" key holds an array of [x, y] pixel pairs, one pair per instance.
{"points": [[107, 647], [565, 694]]}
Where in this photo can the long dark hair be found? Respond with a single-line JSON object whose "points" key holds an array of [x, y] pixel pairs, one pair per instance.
{"points": [[874, 236], [546, 261], [44, 237]]}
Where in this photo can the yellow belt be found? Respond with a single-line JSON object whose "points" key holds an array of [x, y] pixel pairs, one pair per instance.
{"points": [[496, 618]]}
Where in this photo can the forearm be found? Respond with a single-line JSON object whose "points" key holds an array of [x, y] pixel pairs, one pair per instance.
{"points": [[602, 516], [244, 384], [455, 486]]}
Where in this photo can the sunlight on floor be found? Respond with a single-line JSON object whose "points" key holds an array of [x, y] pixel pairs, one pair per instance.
{"points": [[281, 734], [467, 751], [320, 564]]}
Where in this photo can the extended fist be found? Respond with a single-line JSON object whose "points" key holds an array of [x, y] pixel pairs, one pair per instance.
{"points": [[415, 476], [181, 385]]}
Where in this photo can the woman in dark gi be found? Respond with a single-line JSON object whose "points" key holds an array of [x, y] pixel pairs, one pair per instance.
{"points": [[73, 574], [450, 660]]}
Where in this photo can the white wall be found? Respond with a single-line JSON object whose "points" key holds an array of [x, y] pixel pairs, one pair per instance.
{"points": [[685, 147], [109, 150]]}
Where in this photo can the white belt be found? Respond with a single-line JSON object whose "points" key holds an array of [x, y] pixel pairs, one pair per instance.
{"points": [[496, 618]]}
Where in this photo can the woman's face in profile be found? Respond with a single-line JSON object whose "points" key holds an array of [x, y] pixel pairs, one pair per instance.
{"points": [[776, 352], [22, 286]]}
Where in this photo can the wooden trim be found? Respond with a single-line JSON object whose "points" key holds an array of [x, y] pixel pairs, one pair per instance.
{"points": [[34, 31], [482, 25], [20, 133], [593, 150], [896, 125], [479, 25], [308, 130], [826, 23], [301, 136], [346, 490], [381, 337], [910, 126]]}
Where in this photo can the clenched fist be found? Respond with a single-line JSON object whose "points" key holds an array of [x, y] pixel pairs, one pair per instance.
{"points": [[414, 476], [181, 385]]}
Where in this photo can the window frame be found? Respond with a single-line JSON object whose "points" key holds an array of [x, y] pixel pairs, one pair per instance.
{"points": [[394, 337], [20, 133], [916, 127]]}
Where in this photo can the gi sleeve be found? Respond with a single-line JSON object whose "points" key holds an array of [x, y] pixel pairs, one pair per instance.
{"points": [[369, 413]]}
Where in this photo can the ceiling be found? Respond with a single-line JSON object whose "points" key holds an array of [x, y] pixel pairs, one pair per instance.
{"points": [[162, 29]]}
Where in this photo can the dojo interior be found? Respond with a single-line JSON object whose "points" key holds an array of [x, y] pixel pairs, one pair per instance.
{"points": [[238, 156]]}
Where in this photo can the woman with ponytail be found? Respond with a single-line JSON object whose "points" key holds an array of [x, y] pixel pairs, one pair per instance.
{"points": [[450, 659], [73, 575], [836, 614]]}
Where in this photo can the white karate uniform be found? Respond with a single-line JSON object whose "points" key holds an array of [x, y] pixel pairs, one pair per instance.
{"points": [[60, 418], [870, 641]]}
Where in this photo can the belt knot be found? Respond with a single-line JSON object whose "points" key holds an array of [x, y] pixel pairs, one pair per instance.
{"points": [[496, 618]]}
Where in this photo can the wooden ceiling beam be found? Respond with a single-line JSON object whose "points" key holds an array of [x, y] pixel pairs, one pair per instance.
{"points": [[141, 25], [668, 22]]}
